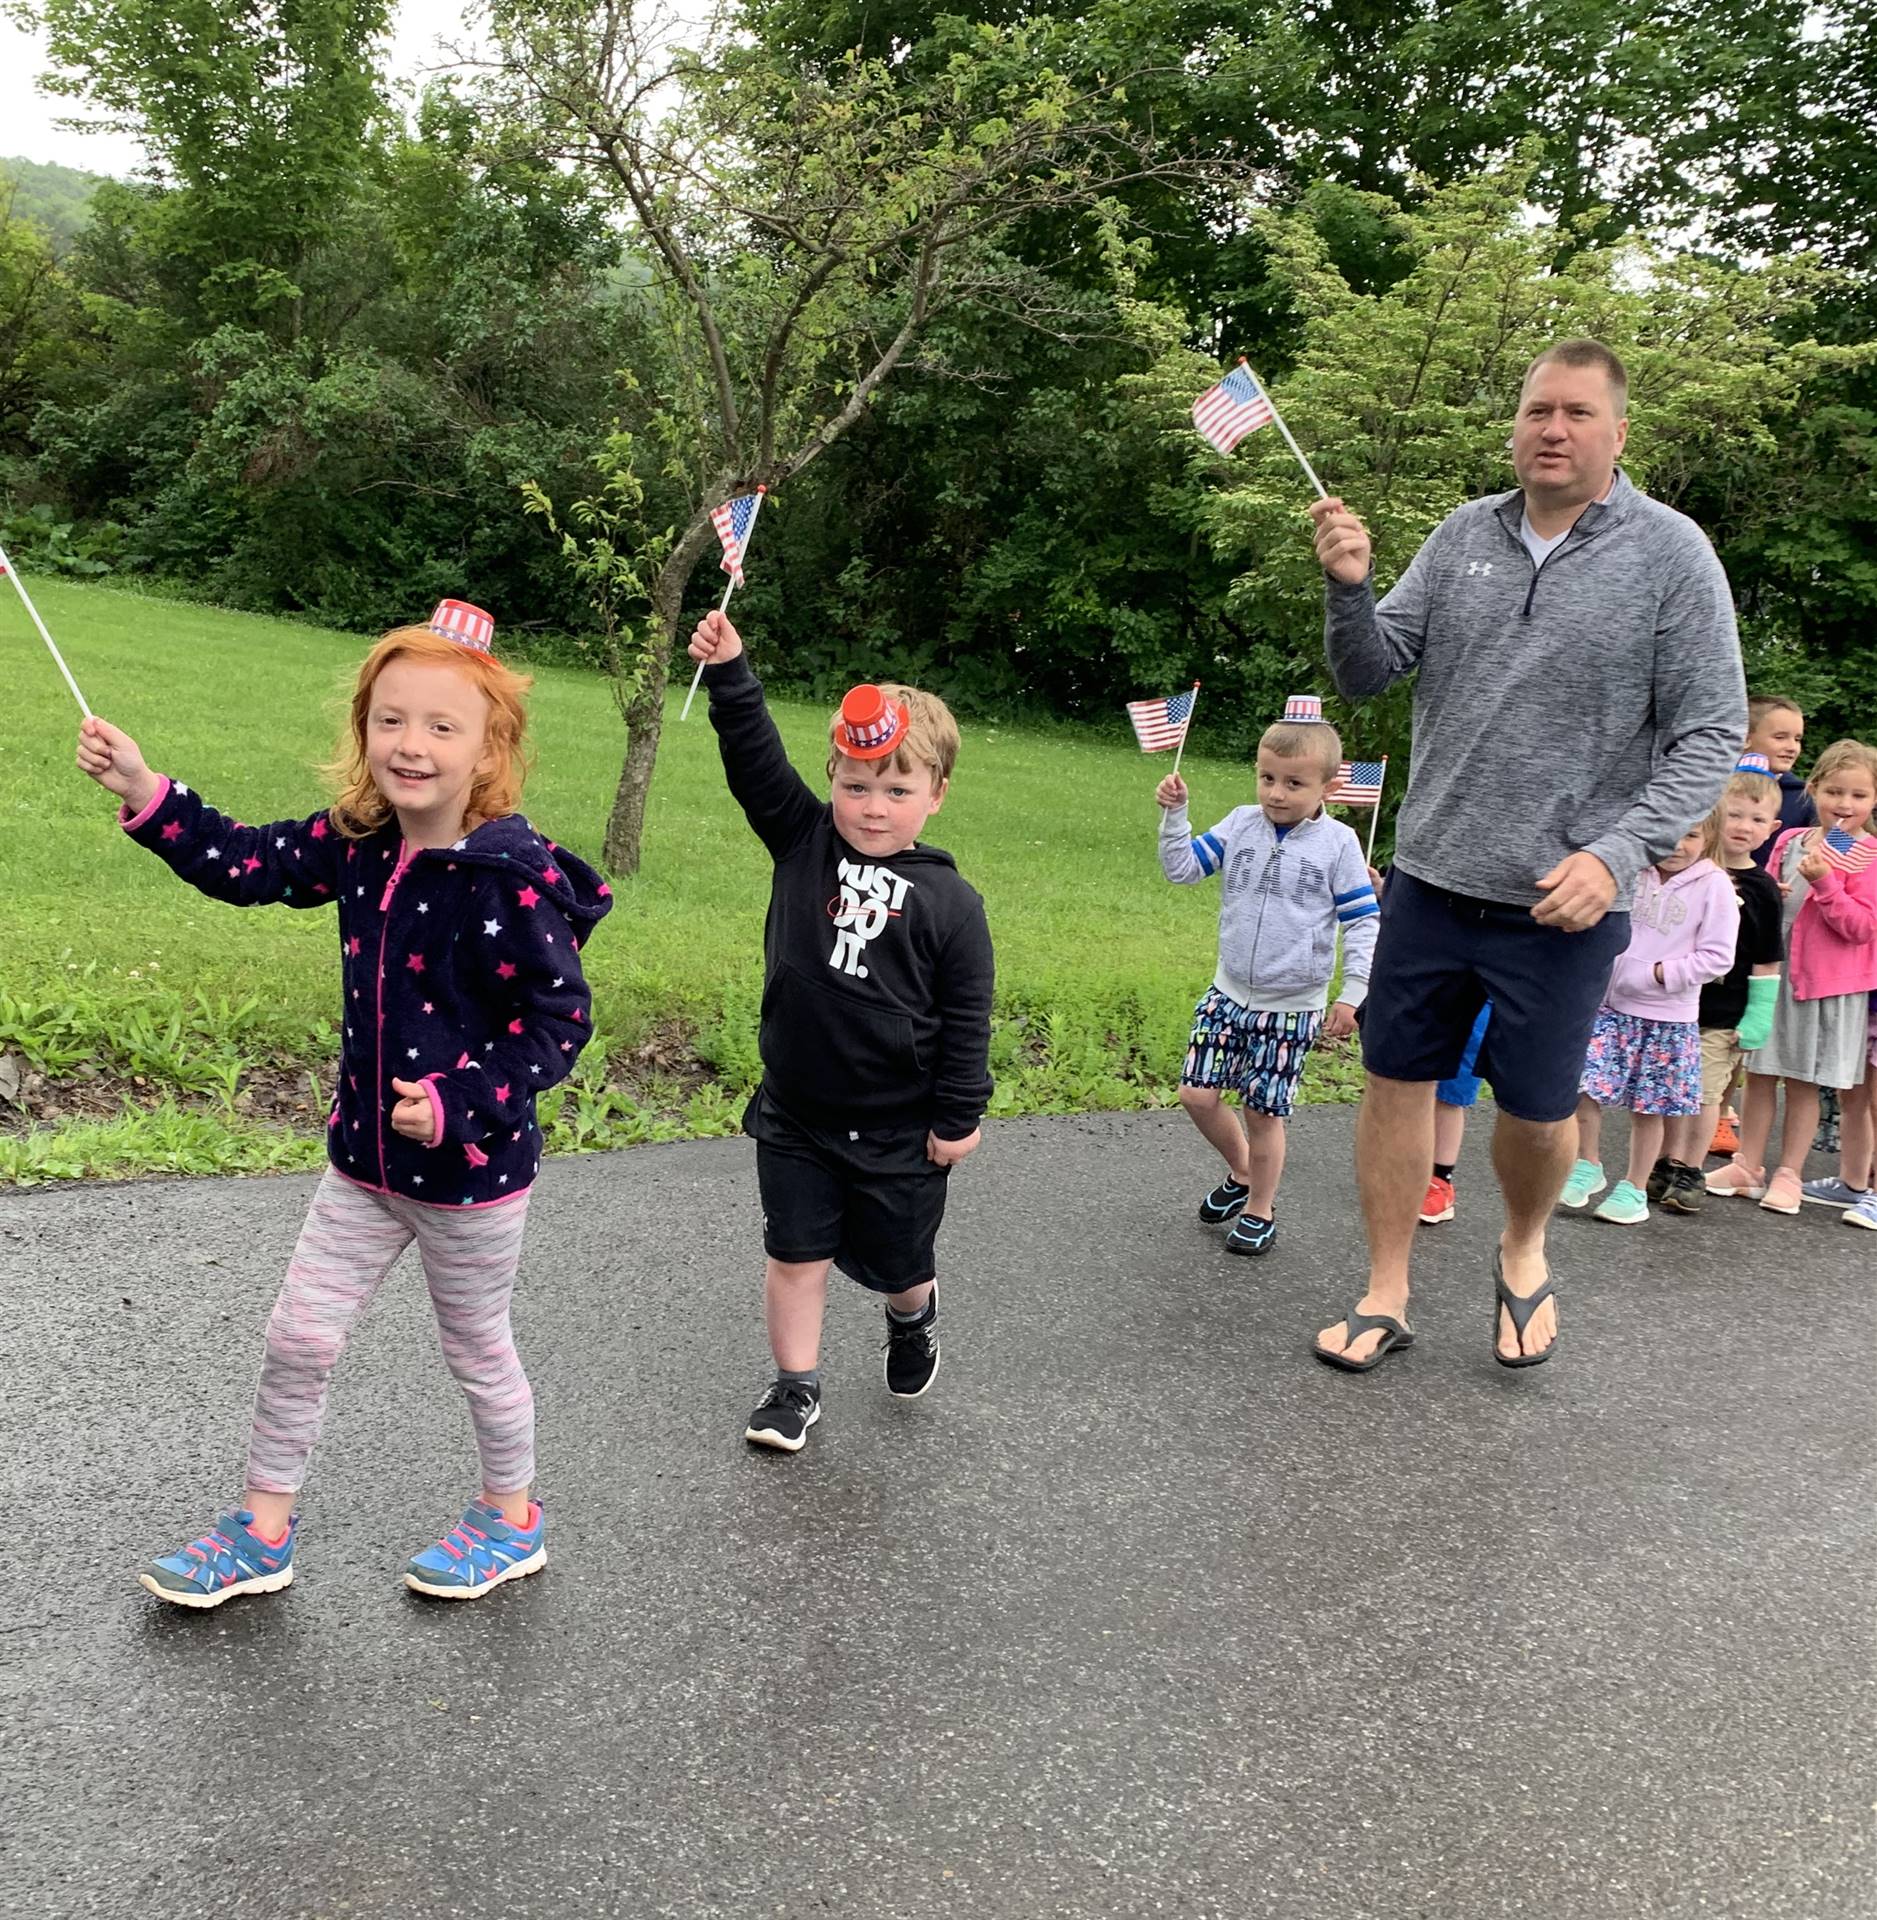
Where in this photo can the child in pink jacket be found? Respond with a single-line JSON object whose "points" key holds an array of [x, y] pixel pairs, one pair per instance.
{"points": [[1820, 1036], [1645, 1050]]}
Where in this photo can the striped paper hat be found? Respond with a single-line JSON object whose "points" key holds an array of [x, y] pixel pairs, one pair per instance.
{"points": [[1754, 763], [468, 626], [871, 726], [1303, 707]]}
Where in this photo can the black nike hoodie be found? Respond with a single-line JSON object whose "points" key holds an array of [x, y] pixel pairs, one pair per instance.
{"points": [[876, 1008]]}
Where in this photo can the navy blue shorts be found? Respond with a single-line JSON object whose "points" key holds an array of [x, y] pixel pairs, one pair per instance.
{"points": [[1441, 956]]}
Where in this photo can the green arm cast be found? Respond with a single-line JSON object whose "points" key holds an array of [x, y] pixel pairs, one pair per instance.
{"points": [[1756, 1024]]}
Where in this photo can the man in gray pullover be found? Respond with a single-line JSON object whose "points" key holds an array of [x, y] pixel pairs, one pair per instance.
{"points": [[1579, 705]]}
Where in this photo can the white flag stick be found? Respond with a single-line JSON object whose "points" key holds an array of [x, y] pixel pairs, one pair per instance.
{"points": [[19, 587], [1375, 818], [1309, 470], [1190, 711], [749, 534]]}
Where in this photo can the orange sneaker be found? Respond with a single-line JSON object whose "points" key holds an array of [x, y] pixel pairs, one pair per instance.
{"points": [[1726, 1135], [1438, 1205], [1742, 1183]]}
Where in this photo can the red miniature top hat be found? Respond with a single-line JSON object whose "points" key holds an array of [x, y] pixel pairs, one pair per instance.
{"points": [[1303, 706], [871, 725], [468, 626]]}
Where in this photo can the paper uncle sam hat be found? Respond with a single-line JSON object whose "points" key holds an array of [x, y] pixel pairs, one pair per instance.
{"points": [[468, 626], [870, 726], [1754, 763], [1303, 707]]}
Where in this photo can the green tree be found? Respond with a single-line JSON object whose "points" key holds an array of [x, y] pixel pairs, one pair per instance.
{"points": [[263, 112], [805, 231], [1404, 398], [35, 317]]}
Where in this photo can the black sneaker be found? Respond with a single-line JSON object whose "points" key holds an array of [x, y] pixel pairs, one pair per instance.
{"points": [[1662, 1177], [1251, 1235], [912, 1352], [783, 1416], [1225, 1202], [1687, 1192]]}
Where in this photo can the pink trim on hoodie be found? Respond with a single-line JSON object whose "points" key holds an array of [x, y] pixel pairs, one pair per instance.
{"points": [[131, 822], [1832, 948], [1690, 922], [440, 1120]]}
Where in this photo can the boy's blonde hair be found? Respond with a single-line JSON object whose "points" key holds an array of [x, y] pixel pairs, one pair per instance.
{"points": [[360, 809], [931, 738], [1761, 789], [1292, 739], [1837, 757], [1761, 704]]}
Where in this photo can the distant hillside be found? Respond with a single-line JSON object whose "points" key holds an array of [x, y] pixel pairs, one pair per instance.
{"points": [[57, 198]]}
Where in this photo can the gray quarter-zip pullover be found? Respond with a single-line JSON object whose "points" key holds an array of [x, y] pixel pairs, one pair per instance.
{"points": [[1595, 703]]}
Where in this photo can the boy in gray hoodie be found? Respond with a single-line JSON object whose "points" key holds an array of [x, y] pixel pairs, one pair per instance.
{"points": [[1292, 877]]}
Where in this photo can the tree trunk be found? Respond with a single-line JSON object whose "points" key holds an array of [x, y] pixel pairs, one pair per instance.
{"points": [[625, 829]]}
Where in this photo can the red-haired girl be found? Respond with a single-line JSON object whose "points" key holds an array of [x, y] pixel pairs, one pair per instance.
{"points": [[459, 930]]}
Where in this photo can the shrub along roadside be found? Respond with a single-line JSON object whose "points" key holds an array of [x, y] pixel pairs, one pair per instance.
{"points": [[102, 1084]]}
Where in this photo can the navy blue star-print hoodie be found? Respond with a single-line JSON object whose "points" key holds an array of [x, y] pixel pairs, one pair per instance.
{"points": [[461, 968]]}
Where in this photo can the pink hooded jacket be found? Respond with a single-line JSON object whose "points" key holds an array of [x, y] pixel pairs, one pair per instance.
{"points": [[1689, 922], [1832, 948]]}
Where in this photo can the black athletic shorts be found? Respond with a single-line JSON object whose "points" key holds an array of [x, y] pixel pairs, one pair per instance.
{"points": [[870, 1202], [1441, 956]]}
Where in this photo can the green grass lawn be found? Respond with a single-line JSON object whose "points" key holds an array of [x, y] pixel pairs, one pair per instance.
{"points": [[1099, 960]]}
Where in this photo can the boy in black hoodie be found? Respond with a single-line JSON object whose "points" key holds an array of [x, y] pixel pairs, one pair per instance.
{"points": [[876, 1020]]}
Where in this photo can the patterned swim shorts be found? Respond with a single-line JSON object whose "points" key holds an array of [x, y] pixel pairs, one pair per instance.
{"points": [[1258, 1056], [1644, 1066]]}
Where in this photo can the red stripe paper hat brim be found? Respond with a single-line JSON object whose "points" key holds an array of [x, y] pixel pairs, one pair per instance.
{"points": [[468, 626]]}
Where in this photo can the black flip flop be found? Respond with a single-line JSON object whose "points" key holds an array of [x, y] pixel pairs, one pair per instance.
{"points": [[1520, 1308], [1396, 1334]]}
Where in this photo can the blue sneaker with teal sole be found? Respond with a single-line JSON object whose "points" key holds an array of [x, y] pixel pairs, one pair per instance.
{"points": [[481, 1551], [229, 1559]]}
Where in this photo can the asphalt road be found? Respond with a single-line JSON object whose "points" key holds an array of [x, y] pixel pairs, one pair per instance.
{"points": [[1139, 1613]]}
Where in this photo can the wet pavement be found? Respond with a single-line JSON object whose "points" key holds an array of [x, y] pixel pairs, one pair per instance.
{"points": [[1139, 1612]]}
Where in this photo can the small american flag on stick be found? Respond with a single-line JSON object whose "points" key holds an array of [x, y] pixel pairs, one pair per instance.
{"points": [[1358, 783], [1160, 724], [1235, 407], [1846, 852], [733, 521]]}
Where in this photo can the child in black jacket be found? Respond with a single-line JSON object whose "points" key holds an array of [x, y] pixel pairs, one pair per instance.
{"points": [[876, 1020]]}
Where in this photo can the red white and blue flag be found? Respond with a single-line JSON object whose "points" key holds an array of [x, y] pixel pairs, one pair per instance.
{"points": [[1235, 407], [1846, 852], [1160, 724], [733, 521], [1358, 783]]}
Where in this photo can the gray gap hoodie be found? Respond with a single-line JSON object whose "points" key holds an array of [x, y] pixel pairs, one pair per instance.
{"points": [[1283, 901]]}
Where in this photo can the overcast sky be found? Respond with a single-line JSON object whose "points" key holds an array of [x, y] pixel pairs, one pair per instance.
{"points": [[27, 115]]}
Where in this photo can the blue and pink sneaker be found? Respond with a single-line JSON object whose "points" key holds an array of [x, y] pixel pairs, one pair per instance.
{"points": [[479, 1552], [229, 1559]]}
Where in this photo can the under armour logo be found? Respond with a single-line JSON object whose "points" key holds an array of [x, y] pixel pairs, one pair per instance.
{"points": [[1479, 566]]}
